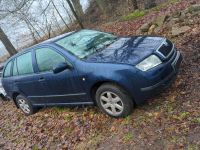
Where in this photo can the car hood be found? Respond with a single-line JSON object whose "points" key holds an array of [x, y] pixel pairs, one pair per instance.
{"points": [[127, 50]]}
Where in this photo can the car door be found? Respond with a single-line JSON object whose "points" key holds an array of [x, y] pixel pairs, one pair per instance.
{"points": [[61, 88], [25, 81]]}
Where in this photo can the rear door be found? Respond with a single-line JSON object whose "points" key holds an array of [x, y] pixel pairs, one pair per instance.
{"points": [[25, 80]]}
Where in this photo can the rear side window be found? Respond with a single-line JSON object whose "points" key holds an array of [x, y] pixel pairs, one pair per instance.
{"points": [[15, 72], [24, 64], [7, 71], [47, 58]]}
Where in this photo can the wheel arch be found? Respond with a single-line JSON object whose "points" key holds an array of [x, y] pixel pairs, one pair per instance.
{"points": [[95, 86], [14, 96]]}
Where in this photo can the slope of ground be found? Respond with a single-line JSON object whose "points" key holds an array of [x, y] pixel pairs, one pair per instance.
{"points": [[169, 121]]}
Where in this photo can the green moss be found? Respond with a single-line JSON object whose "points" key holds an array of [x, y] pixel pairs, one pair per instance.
{"points": [[184, 115], [163, 5], [134, 15], [140, 13]]}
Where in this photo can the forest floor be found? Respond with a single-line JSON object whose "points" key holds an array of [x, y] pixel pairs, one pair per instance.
{"points": [[171, 120]]}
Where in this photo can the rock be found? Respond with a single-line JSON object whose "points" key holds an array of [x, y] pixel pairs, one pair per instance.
{"points": [[160, 20], [175, 20], [183, 15], [145, 27], [176, 14], [194, 8], [149, 4], [151, 29], [157, 30], [180, 30]]}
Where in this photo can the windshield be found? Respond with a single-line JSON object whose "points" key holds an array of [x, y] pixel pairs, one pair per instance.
{"points": [[86, 42]]}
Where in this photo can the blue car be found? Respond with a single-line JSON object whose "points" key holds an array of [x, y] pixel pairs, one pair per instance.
{"points": [[89, 67]]}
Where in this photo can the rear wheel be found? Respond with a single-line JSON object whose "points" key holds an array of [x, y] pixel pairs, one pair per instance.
{"points": [[114, 100], [25, 105]]}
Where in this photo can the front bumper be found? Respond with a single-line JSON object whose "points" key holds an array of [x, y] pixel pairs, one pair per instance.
{"points": [[166, 81], [160, 78]]}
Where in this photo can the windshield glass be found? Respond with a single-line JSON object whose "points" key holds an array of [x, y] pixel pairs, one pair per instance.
{"points": [[86, 42]]}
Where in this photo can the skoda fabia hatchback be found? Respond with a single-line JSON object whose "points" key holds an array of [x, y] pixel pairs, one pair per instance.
{"points": [[91, 67]]}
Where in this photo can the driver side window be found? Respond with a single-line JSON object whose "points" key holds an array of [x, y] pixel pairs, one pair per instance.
{"points": [[47, 58]]}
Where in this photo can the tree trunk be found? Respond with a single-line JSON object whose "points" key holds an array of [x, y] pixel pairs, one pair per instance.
{"points": [[75, 14], [102, 4], [135, 4], [78, 8], [6, 42], [60, 15]]}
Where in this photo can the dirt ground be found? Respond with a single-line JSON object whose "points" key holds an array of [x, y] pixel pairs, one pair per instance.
{"points": [[171, 120]]}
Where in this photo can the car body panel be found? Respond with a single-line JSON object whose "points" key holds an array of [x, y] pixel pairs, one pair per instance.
{"points": [[128, 50]]}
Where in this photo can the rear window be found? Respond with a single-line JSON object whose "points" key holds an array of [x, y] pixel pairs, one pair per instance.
{"points": [[7, 71], [24, 64]]}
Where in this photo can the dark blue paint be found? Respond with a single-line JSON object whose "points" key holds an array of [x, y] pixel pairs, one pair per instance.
{"points": [[116, 63], [128, 50]]}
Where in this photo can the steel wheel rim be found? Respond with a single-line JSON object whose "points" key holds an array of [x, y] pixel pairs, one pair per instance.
{"points": [[111, 103], [24, 106]]}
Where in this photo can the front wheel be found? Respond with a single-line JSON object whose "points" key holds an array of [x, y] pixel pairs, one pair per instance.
{"points": [[114, 101], [25, 105]]}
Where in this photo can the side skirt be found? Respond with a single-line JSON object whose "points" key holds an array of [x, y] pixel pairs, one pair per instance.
{"points": [[65, 104]]}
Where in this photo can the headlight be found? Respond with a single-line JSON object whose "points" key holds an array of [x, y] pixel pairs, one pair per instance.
{"points": [[149, 63]]}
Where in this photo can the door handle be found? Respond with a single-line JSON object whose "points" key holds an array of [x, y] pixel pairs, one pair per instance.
{"points": [[41, 79]]}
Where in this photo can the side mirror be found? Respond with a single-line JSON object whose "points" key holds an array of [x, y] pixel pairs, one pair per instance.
{"points": [[61, 67]]}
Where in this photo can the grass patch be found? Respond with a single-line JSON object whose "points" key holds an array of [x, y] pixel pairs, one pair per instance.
{"points": [[134, 15], [140, 13], [127, 137], [68, 117], [61, 109], [181, 116], [127, 121]]}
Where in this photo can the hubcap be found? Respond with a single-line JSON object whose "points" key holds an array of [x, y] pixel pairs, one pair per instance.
{"points": [[111, 103], [24, 106]]}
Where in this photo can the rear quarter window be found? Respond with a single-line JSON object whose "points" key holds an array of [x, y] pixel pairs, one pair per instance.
{"points": [[15, 72], [7, 71]]}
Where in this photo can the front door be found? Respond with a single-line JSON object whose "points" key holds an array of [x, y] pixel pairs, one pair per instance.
{"points": [[60, 88]]}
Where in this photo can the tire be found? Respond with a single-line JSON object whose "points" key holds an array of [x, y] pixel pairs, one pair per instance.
{"points": [[25, 105], [114, 100]]}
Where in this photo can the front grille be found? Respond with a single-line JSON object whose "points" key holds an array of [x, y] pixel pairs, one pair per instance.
{"points": [[166, 49]]}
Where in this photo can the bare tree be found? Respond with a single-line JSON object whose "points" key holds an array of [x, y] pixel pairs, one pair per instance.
{"points": [[57, 23], [67, 12], [135, 4], [60, 15], [6, 42], [75, 14], [78, 8], [102, 4]]}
